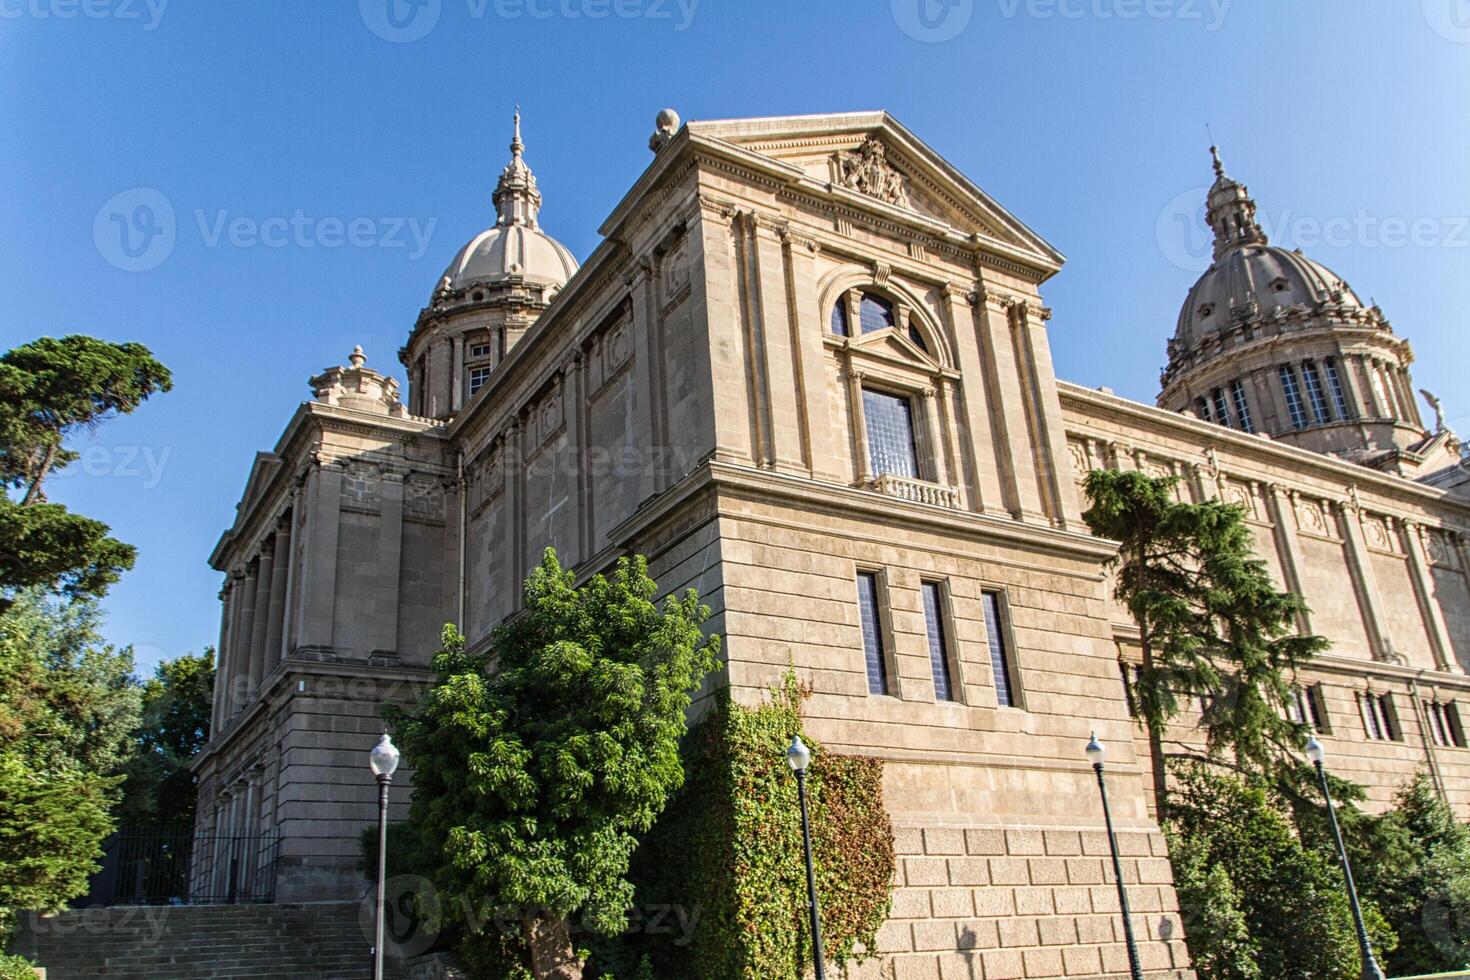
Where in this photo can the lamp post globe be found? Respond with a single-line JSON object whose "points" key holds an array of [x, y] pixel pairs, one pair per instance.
{"points": [[1371, 970], [798, 757], [383, 760], [1095, 754]]}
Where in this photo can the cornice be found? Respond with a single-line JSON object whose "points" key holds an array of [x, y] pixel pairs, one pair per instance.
{"points": [[1301, 462]]}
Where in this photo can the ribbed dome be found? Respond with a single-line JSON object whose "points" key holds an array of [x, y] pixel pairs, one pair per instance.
{"points": [[512, 250], [1257, 280]]}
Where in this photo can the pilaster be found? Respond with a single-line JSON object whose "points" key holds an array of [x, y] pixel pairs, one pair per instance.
{"points": [[1365, 583], [1279, 502], [980, 430], [390, 552], [1015, 459], [1411, 534]]}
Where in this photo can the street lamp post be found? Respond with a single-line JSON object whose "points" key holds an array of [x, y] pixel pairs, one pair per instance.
{"points": [[1095, 753], [798, 756], [384, 760], [1371, 969]]}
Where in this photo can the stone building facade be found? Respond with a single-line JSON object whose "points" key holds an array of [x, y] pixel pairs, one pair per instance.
{"points": [[807, 372]]}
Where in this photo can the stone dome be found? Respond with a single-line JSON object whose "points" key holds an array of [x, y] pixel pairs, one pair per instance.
{"points": [[510, 250], [1256, 280], [515, 247]]}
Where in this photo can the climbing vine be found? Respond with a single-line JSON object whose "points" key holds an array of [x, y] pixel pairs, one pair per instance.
{"points": [[727, 856]]}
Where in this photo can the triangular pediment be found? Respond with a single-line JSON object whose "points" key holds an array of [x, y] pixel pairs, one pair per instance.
{"points": [[892, 345], [869, 157], [261, 472]]}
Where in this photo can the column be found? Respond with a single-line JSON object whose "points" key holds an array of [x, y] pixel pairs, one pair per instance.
{"points": [[241, 680], [647, 432], [390, 552], [1411, 534], [1280, 502], [221, 659], [1365, 583], [862, 460], [293, 580], [978, 435], [574, 393], [1352, 389], [280, 569], [456, 382], [1406, 396], [260, 626], [319, 558], [1013, 451]]}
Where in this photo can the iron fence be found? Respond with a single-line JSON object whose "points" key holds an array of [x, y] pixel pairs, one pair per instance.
{"points": [[181, 867]]}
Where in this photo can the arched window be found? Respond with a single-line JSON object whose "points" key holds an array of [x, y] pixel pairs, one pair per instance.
{"points": [[874, 313], [839, 318]]}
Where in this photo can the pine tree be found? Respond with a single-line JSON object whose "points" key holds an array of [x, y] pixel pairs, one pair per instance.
{"points": [[1211, 622]]}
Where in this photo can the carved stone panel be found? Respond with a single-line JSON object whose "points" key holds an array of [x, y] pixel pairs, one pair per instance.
{"points": [[867, 170]]}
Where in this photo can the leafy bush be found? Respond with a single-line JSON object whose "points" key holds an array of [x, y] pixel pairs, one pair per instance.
{"points": [[16, 968], [539, 763]]}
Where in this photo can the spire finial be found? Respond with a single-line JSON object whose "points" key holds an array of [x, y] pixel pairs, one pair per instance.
{"points": [[1215, 157], [516, 146]]}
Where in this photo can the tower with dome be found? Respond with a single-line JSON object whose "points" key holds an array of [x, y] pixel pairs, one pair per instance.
{"points": [[807, 372]]}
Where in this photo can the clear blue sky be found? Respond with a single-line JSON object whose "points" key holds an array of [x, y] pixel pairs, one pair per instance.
{"points": [[1086, 118]]}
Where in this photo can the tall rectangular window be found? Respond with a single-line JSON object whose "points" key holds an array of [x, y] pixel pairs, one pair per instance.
{"points": [[1202, 409], [1444, 724], [1222, 411], [1380, 720], [1334, 385], [1242, 406], [479, 350], [890, 421], [1315, 395], [938, 641], [872, 621], [1317, 709], [1293, 397], [478, 377], [1000, 654]]}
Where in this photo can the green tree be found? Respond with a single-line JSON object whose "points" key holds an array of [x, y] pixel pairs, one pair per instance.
{"points": [[1290, 896], [1211, 623], [538, 763], [67, 708], [176, 704], [1421, 881], [50, 389]]}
